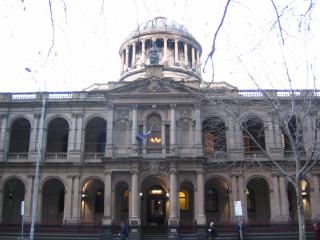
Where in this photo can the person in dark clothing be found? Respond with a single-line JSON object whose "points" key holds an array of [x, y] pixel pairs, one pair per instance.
{"points": [[240, 230], [212, 231], [123, 231]]}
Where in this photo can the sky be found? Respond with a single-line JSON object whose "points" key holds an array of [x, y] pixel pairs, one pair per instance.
{"points": [[81, 47]]}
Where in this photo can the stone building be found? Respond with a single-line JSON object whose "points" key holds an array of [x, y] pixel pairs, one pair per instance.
{"points": [[145, 149]]}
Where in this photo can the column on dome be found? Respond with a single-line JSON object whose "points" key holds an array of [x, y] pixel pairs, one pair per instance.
{"points": [[176, 52], [165, 51], [198, 60], [186, 54], [122, 61], [193, 64], [133, 62], [143, 51], [127, 59]]}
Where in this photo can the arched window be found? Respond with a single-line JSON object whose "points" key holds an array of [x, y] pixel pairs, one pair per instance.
{"points": [[58, 133], [95, 138], [212, 200], [184, 200], [20, 136], [213, 135], [253, 135], [295, 132], [154, 123]]}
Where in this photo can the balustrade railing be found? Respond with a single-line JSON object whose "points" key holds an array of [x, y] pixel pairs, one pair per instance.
{"points": [[56, 155], [17, 155]]}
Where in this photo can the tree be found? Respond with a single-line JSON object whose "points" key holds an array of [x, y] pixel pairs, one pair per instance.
{"points": [[294, 113]]}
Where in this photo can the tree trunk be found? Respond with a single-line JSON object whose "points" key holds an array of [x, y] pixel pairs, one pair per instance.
{"points": [[301, 221]]}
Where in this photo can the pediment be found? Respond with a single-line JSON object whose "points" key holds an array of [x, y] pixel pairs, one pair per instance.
{"points": [[154, 85]]}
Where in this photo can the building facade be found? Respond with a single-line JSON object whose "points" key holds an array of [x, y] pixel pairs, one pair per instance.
{"points": [[152, 149]]}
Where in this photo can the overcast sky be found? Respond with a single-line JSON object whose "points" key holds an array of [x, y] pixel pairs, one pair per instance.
{"points": [[87, 35]]}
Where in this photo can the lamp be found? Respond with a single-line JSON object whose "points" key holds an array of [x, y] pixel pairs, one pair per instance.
{"points": [[155, 140]]}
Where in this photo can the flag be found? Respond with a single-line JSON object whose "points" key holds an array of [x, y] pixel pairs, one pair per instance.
{"points": [[142, 136]]}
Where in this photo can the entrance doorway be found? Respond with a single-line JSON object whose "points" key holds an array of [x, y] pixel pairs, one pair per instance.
{"points": [[156, 206]]}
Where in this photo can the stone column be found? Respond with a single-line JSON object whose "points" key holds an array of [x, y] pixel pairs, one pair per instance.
{"points": [[68, 199], [127, 59], [315, 197], [201, 216], [193, 58], [134, 124], [268, 134], [173, 145], [135, 216], [186, 54], [28, 196], [1, 198], [143, 51], [3, 137], [163, 137], [165, 51], [39, 207], [133, 56], [242, 195], [284, 204], [198, 61], [275, 197], [106, 232], [72, 133], [198, 131], [176, 53], [75, 136], [76, 197], [122, 62], [173, 205], [33, 133], [109, 143], [234, 194]]}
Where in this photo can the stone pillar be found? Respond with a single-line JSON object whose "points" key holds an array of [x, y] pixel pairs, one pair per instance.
{"points": [[275, 198], [76, 197], [127, 59], [1, 198], [201, 216], [3, 137], [28, 196], [68, 199], [193, 58], [135, 216], [315, 197], [165, 51], [198, 61], [186, 54], [122, 62], [268, 134], [173, 133], [134, 124], [109, 144], [242, 195], [133, 65], [198, 132], [75, 136], [39, 207], [143, 51], [238, 194], [106, 232], [284, 204], [33, 133], [173, 205], [176, 52]]}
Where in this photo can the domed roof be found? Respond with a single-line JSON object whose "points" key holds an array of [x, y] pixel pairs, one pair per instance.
{"points": [[161, 24]]}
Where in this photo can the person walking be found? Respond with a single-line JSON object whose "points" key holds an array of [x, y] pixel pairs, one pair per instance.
{"points": [[123, 231], [212, 231], [240, 230]]}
